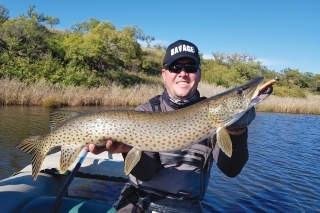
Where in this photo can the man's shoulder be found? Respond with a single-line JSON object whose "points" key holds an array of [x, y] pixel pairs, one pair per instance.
{"points": [[144, 107], [147, 106]]}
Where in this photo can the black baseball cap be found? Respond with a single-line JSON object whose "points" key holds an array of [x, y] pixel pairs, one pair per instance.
{"points": [[181, 49]]}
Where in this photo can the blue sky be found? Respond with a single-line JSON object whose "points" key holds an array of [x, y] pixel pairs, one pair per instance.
{"points": [[279, 33]]}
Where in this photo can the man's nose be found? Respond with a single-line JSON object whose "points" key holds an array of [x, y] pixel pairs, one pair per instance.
{"points": [[183, 71]]}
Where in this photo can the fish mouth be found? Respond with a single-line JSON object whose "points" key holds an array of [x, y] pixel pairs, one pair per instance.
{"points": [[254, 91], [261, 96], [250, 89], [264, 91]]}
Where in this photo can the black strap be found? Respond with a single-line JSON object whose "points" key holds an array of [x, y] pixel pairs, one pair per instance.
{"points": [[127, 194], [155, 103]]}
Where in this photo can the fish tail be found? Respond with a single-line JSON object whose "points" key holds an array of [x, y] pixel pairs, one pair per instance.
{"points": [[30, 145]]}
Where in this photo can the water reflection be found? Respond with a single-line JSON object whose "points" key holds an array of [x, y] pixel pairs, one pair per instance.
{"points": [[282, 174], [18, 123]]}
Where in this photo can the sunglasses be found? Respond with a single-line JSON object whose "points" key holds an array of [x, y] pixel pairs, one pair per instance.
{"points": [[188, 68]]}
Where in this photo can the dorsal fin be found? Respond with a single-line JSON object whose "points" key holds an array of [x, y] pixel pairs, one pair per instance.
{"points": [[58, 117]]}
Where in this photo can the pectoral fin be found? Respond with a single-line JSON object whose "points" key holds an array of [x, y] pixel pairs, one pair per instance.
{"points": [[132, 159], [68, 156], [224, 141]]}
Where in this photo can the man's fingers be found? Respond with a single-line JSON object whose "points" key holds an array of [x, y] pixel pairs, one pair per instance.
{"points": [[92, 147], [95, 149], [110, 145]]}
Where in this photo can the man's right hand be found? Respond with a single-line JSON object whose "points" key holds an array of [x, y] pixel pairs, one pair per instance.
{"points": [[111, 146]]}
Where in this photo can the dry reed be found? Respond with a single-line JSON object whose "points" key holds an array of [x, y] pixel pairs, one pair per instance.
{"points": [[308, 105], [15, 92]]}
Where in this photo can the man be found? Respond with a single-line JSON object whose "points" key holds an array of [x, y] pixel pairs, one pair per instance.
{"points": [[177, 181]]}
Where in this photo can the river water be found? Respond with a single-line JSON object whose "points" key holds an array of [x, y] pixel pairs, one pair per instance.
{"points": [[282, 174]]}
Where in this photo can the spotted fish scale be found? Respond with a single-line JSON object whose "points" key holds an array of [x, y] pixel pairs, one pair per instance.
{"points": [[144, 131]]}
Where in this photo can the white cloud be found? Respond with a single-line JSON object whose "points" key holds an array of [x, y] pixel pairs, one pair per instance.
{"points": [[269, 62], [207, 56]]}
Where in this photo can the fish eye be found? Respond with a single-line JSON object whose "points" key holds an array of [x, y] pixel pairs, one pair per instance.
{"points": [[239, 92]]}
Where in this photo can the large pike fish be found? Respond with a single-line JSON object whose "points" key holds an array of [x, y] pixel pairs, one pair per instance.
{"points": [[145, 131]]}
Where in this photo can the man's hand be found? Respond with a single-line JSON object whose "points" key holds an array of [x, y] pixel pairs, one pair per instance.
{"points": [[235, 131], [240, 126], [245, 120], [111, 146]]}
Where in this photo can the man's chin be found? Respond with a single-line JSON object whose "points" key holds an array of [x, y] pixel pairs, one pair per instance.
{"points": [[182, 96]]}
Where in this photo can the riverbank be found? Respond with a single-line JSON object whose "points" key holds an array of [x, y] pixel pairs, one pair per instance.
{"points": [[15, 92]]}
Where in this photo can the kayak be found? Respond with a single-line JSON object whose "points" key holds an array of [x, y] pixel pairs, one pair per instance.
{"points": [[95, 187]]}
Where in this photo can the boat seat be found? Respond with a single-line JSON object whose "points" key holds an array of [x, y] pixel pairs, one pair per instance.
{"points": [[68, 205]]}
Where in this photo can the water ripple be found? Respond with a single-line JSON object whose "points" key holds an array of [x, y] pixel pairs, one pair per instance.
{"points": [[282, 174]]}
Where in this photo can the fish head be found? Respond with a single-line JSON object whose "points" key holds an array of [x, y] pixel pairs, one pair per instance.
{"points": [[227, 107]]}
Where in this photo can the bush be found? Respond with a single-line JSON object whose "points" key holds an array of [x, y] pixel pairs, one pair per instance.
{"points": [[289, 92], [52, 101]]}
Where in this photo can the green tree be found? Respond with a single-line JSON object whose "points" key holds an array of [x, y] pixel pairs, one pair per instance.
{"points": [[4, 14], [24, 37], [51, 21], [86, 26], [103, 47], [237, 67], [316, 83], [32, 14], [40, 18], [95, 48], [291, 76]]}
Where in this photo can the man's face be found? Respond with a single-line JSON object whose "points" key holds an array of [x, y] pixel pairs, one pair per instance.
{"points": [[181, 85]]}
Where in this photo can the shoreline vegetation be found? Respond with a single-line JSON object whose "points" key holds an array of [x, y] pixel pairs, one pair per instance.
{"points": [[95, 64], [41, 93]]}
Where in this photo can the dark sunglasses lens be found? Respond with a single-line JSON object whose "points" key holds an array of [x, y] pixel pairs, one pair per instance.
{"points": [[189, 68], [175, 68]]}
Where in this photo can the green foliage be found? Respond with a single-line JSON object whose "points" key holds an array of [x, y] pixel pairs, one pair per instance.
{"points": [[79, 76], [85, 26], [25, 38], [152, 60], [95, 53], [229, 70], [285, 92], [4, 14], [211, 72], [126, 78]]}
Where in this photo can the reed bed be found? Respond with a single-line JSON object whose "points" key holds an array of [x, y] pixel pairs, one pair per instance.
{"points": [[308, 105], [291, 105], [15, 92]]}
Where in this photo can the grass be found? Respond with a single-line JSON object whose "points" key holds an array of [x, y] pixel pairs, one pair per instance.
{"points": [[308, 105], [15, 92]]}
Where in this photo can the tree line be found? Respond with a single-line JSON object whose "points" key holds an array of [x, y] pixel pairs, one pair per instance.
{"points": [[94, 53]]}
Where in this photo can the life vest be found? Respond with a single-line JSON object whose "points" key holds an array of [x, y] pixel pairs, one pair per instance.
{"points": [[186, 172]]}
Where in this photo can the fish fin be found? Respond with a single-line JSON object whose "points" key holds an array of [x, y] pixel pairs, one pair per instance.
{"points": [[68, 156], [132, 159], [58, 117], [224, 141], [30, 145]]}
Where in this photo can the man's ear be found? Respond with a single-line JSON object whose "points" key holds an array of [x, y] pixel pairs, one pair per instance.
{"points": [[163, 73]]}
